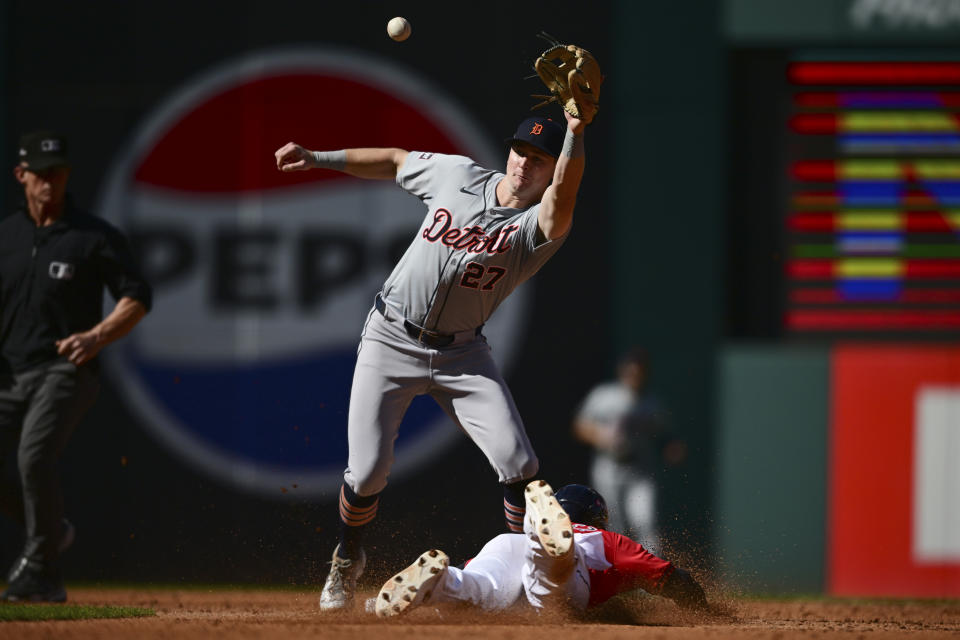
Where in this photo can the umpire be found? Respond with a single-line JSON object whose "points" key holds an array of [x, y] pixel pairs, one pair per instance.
{"points": [[54, 263]]}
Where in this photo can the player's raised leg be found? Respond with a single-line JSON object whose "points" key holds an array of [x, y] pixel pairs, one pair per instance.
{"points": [[550, 571], [547, 521]]}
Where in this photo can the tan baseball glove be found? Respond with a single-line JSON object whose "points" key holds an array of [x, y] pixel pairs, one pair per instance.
{"points": [[572, 75]]}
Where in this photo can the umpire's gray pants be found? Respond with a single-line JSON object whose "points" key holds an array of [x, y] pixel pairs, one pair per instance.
{"points": [[42, 406]]}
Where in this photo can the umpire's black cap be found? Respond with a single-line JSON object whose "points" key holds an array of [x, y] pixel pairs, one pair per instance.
{"points": [[40, 150], [541, 132]]}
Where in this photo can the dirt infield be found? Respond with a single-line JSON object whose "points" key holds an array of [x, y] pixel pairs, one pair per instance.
{"points": [[291, 614]]}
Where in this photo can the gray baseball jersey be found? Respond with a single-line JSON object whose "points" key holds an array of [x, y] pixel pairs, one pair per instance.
{"points": [[468, 255]]}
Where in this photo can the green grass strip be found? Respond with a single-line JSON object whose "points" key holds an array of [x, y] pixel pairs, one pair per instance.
{"points": [[10, 612], [209, 587]]}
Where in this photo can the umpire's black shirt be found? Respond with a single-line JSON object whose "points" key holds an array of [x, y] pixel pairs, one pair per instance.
{"points": [[52, 279]]}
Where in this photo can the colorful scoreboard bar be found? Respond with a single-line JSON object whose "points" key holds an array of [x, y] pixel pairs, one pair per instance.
{"points": [[873, 222]]}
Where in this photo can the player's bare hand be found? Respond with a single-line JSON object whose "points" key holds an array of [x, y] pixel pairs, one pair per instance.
{"points": [[80, 348], [576, 125], [293, 157]]}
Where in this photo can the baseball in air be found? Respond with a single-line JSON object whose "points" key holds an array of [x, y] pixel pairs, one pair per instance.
{"points": [[399, 29]]}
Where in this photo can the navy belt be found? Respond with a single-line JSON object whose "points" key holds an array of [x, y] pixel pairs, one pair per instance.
{"points": [[421, 335]]}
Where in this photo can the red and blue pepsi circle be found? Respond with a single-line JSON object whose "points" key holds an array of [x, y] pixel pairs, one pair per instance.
{"points": [[263, 279]]}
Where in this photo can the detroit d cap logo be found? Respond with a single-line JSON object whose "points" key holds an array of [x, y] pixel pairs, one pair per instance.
{"points": [[541, 132]]}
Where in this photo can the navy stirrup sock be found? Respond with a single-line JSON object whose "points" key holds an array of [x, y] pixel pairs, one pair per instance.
{"points": [[355, 513], [515, 504]]}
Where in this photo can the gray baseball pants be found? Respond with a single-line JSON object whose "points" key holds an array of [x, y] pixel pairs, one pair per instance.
{"points": [[392, 368], [39, 410]]}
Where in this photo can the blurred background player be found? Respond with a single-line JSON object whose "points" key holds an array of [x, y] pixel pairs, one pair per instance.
{"points": [[564, 559], [626, 427], [484, 233], [54, 263]]}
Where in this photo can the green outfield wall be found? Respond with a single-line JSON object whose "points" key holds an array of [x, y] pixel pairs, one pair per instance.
{"points": [[666, 91], [772, 467]]}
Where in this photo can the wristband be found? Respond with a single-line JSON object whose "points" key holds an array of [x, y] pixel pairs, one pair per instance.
{"points": [[573, 145], [330, 159]]}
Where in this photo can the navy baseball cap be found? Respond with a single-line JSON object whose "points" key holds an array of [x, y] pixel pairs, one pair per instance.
{"points": [[541, 132], [42, 150]]}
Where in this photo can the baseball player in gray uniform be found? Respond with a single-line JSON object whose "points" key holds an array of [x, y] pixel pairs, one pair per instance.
{"points": [[483, 234]]}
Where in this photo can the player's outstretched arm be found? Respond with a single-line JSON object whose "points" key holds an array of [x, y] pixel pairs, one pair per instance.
{"points": [[374, 163], [556, 208]]}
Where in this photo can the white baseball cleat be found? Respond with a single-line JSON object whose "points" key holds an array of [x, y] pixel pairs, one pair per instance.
{"points": [[548, 519], [341, 585], [412, 586]]}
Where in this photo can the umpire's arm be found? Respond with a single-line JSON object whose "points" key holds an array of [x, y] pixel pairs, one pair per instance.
{"points": [[82, 347], [556, 206], [120, 272]]}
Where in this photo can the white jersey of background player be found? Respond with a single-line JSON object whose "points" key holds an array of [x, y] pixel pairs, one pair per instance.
{"points": [[564, 559], [483, 234]]}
